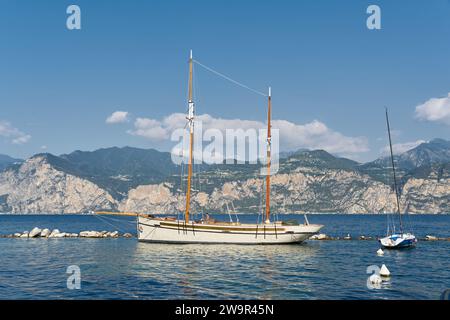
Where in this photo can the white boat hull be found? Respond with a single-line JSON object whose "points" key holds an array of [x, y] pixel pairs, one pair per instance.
{"points": [[398, 241], [177, 231]]}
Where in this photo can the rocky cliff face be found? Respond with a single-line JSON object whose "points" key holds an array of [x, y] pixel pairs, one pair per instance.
{"points": [[338, 191], [38, 186], [429, 193]]}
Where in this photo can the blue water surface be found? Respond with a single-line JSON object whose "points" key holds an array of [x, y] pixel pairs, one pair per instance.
{"points": [[123, 268]]}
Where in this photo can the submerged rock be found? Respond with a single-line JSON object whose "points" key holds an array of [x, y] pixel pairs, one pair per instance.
{"points": [[320, 236], [59, 235], [114, 234], [45, 233], [36, 232], [54, 233], [91, 234]]}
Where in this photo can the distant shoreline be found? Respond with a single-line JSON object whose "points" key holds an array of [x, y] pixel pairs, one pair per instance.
{"points": [[226, 214]]}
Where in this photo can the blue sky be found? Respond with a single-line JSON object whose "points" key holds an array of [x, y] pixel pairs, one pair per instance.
{"points": [[327, 70]]}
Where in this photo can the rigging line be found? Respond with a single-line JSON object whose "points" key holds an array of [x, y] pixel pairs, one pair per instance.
{"points": [[103, 219], [120, 220], [229, 214], [235, 212], [229, 79], [394, 175], [261, 202], [390, 224]]}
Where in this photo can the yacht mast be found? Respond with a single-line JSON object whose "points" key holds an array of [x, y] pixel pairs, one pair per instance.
{"points": [[393, 170], [190, 119], [269, 137]]}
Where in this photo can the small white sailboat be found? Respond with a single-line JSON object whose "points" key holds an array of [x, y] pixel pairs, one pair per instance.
{"points": [[396, 240], [207, 230]]}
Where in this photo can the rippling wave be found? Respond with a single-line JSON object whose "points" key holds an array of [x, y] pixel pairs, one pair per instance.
{"points": [[126, 269]]}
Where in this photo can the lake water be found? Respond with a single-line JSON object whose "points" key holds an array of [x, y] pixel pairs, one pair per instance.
{"points": [[123, 268]]}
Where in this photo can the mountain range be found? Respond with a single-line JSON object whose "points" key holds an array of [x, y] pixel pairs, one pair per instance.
{"points": [[146, 180], [6, 161], [423, 156]]}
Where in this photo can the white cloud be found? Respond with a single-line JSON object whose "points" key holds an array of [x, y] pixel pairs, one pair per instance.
{"points": [[117, 117], [435, 109], [22, 139], [313, 135], [14, 135], [316, 135], [399, 148], [150, 129]]}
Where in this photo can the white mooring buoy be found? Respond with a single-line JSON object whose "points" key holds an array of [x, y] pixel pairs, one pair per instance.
{"points": [[384, 271], [380, 252]]}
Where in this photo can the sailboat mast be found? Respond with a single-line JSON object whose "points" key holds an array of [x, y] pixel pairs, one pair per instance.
{"points": [[393, 171], [190, 119], [269, 137]]}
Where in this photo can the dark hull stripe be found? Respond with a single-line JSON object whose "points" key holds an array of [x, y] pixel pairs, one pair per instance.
{"points": [[403, 245], [223, 227], [260, 233], [212, 243]]}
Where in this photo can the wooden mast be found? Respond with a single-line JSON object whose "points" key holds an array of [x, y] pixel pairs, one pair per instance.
{"points": [[190, 119], [269, 137], [393, 171]]}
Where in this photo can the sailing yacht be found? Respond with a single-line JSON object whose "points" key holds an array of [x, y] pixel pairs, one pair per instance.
{"points": [[396, 240], [208, 230]]}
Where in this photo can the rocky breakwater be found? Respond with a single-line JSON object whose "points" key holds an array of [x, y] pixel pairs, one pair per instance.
{"points": [[55, 233], [325, 237]]}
